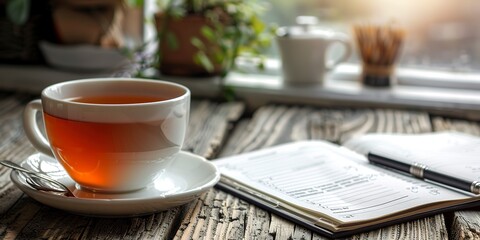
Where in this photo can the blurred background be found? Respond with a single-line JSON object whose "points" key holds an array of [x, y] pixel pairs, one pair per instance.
{"points": [[441, 34]]}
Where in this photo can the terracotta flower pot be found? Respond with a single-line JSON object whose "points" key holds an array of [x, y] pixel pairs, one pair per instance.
{"points": [[179, 59]]}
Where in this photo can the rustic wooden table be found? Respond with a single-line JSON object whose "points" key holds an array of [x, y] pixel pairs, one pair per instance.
{"points": [[217, 130]]}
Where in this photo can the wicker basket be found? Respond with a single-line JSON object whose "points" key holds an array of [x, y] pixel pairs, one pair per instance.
{"points": [[19, 43]]}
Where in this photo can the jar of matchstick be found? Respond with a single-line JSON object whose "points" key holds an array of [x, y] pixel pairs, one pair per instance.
{"points": [[378, 75], [379, 48]]}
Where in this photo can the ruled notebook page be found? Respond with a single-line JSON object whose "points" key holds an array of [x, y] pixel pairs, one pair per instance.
{"points": [[322, 177], [452, 153]]}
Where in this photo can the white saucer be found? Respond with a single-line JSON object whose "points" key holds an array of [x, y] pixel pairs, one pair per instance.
{"points": [[183, 181]]}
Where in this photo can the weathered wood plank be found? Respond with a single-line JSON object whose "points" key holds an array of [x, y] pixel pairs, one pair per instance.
{"points": [[239, 133], [49, 222], [281, 228], [465, 224], [445, 124], [209, 125], [426, 228], [155, 226], [24, 218], [15, 219], [13, 145], [301, 233], [272, 125], [257, 225], [216, 215]]}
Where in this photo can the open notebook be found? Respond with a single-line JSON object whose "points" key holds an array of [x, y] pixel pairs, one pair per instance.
{"points": [[337, 191]]}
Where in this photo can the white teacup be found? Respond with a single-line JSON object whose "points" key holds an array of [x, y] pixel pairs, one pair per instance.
{"points": [[110, 134], [303, 50]]}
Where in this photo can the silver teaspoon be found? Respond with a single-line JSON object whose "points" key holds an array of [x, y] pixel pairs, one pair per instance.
{"points": [[38, 180]]}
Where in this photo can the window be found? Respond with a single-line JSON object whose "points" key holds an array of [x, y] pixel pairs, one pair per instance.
{"points": [[441, 34]]}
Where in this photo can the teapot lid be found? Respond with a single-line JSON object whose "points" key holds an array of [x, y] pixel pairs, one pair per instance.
{"points": [[306, 28]]}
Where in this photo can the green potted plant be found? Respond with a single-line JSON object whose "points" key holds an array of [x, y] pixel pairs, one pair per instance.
{"points": [[204, 37], [17, 11]]}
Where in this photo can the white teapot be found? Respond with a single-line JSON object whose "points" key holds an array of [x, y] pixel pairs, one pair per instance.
{"points": [[303, 51]]}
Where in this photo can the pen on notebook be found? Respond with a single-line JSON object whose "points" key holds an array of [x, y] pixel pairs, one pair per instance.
{"points": [[422, 171]]}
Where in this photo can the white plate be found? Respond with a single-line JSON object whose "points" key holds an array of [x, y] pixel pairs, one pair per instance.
{"points": [[83, 57], [184, 180]]}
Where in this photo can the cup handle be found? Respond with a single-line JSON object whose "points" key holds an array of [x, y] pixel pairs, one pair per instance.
{"points": [[31, 127], [343, 39]]}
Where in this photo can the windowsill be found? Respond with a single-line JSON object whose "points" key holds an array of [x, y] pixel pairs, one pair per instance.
{"points": [[416, 89]]}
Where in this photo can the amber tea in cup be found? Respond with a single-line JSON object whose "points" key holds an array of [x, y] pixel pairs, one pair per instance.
{"points": [[111, 134]]}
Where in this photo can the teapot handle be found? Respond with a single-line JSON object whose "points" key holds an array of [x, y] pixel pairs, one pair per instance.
{"points": [[342, 39]]}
